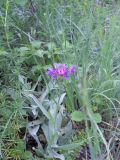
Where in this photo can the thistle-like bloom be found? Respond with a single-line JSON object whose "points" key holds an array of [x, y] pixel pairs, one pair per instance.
{"points": [[61, 70]]}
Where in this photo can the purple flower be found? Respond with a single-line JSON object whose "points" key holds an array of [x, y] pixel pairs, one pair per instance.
{"points": [[52, 72], [61, 70], [72, 69]]}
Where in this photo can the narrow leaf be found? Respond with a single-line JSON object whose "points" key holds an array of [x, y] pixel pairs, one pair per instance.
{"points": [[44, 111]]}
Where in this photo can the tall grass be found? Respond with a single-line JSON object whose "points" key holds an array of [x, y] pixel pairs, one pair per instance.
{"points": [[90, 38], [83, 33]]}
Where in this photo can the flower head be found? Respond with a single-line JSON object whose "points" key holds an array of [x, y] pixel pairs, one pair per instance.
{"points": [[61, 70]]}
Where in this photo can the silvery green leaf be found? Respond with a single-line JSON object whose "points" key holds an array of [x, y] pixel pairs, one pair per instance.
{"points": [[34, 110], [69, 146], [33, 130], [44, 111], [35, 122], [54, 154], [52, 85], [58, 100], [50, 134], [53, 109], [35, 85], [46, 131], [53, 135], [62, 98], [55, 105], [55, 101], [44, 94], [58, 121], [68, 127], [66, 135]]}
